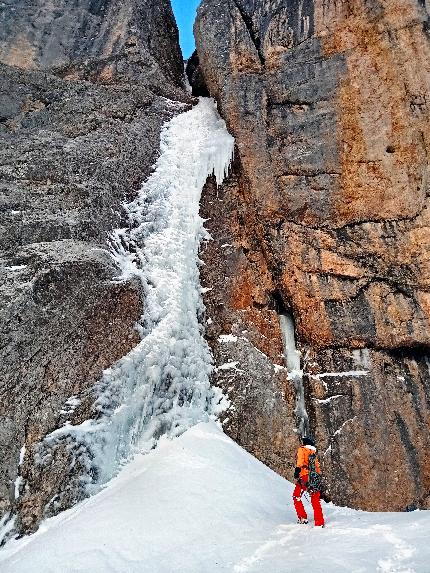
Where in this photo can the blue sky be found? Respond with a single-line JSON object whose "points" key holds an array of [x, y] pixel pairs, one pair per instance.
{"points": [[185, 12]]}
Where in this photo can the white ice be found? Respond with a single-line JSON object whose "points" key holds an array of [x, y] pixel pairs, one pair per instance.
{"points": [[362, 358], [227, 338], [22, 455], [19, 480], [295, 373], [229, 366], [17, 486], [201, 504], [279, 368], [70, 405], [16, 268]]}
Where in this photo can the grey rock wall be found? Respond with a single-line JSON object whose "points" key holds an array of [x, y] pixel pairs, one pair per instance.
{"points": [[130, 37], [76, 139]]}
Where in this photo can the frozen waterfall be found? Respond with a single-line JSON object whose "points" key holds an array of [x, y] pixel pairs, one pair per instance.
{"points": [[162, 386]]}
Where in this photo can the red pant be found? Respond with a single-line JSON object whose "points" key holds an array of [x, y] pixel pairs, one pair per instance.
{"points": [[315, 501]]}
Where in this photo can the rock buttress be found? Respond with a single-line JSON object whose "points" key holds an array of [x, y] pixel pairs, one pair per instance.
{"points": [[327, 218], [134, 38], [78, 137]]}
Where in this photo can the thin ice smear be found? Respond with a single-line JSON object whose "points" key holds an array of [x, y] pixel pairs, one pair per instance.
{"points": [[162, 386]]}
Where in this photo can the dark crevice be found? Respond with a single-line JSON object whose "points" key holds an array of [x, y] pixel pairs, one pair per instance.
{"points": [[291, 103], [298, 173], [410, 450], [195, 76], [247, 20], [417, 351], [426, 23], [331, 228], [366, 282], [277, 302]]}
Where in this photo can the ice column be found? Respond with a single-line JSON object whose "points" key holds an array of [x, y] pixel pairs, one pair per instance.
{"points": [[295, 373]]}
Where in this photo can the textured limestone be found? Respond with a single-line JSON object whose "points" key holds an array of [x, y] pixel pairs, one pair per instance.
{"points": [[132, 38], [76, 140], [328, 104], [238, 303]]}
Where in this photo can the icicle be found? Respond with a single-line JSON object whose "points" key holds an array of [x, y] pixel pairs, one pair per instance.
{"points": [[7, 525]]}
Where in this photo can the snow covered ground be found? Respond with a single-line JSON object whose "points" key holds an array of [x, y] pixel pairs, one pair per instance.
{"points": [[201, 504]]}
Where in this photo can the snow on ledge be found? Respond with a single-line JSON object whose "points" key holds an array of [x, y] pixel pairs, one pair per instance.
{"points": [[340, 374], [227, 338], [327, 400]]}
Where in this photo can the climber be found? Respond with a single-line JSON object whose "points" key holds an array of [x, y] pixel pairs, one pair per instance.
{"points": [[308, 476]]}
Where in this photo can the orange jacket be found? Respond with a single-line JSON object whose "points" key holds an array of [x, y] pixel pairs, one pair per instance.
{"points": [[303, 454]]}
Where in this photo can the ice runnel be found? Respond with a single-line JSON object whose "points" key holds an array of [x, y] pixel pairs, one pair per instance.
{"points": [[162, 386]]}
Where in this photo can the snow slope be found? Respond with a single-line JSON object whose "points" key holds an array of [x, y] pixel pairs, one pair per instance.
{"points": [[201, 504]]}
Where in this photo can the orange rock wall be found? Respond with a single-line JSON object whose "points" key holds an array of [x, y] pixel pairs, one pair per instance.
{"points": [[328, 102]]}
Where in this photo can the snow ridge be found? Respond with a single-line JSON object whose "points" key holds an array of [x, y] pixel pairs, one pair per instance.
{"points": [[202, 504], [161, 387]]}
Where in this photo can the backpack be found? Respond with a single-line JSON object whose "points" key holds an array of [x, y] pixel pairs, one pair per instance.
{"points": [[314, 478]]}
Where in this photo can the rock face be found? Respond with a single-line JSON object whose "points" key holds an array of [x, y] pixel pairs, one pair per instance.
{"points": [[77, 139], [327, 219], [134, 38]]}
